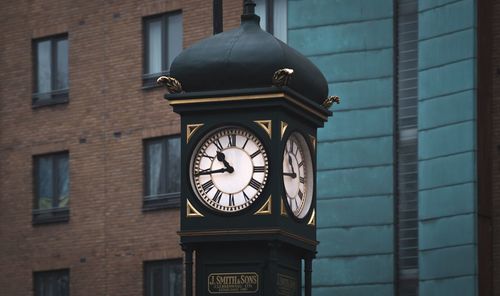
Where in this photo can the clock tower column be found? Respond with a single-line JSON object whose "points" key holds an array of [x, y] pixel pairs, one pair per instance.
{"points": [[250, 108]]}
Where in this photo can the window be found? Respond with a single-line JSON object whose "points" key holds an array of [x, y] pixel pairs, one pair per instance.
{"points": [[163, 278], [51, 175], [273, 17], [407, 147], [52, 283], [50, 70], [162, 172], [162, 43]]}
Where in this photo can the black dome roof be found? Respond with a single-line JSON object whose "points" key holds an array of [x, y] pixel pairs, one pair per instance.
{"points": [[246, 57]]}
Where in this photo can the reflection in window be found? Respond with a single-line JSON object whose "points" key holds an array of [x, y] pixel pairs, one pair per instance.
{"points": [[273, 17], [162, 43], [51, 64], [52, 181], [52, 283], [162, 169], [163, 278]]}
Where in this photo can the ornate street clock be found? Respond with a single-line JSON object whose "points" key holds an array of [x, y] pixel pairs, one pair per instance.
{"points": [[250, 108], [218, 184]]}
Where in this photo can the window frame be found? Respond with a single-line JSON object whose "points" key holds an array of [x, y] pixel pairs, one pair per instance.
{"points": [[270, 18], [55, 214], [38, 274], [165, 200], [148, 78], [162, 263], [57, 96]]}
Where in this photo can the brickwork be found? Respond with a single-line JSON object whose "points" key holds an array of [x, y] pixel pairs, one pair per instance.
{"points": [[108, 115]]}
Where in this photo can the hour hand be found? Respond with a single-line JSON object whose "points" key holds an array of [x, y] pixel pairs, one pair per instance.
{"points": [[209, 172], [293, 175], [222, 158]]}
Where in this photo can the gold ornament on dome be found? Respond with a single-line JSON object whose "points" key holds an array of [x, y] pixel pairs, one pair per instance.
{"points": [[173, 85]]}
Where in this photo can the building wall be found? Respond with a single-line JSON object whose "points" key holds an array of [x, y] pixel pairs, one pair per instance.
{"points": [[108, 115], [495, 145], [447, 148], [352, 43]]}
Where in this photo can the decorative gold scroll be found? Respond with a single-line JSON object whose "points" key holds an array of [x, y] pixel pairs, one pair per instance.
{"points": [[312, 220], [191, 129], [266, 209], [266, 125], [191, 212]]}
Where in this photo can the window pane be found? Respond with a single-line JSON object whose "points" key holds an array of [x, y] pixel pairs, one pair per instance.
{"points": [[260, 10], [175, 279], [52, 283], [280, 19], [45, 182], [154, 156], [154, 46], [163, 278], [174, 165], [63, 182], [44, 71], [62, 64], [174, 37]]}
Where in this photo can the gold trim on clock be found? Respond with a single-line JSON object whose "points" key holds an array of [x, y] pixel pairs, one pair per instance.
{"points": [[266, 125], [283, 210], [312, 220], [191, 211], [313, 142], [248, 98], [191, 129], [284, 125], [266, 209]]}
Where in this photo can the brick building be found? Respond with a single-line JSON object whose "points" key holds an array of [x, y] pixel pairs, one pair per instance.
{"points": [[74, 139], [82, 199]]}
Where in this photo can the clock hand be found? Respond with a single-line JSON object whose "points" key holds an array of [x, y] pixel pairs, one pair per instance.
{"points": [[290, 163], [209, 172], [221, 157], [293, 175]]}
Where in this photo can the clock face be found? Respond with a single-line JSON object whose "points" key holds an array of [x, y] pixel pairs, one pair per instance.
{"points": [[298, 178], [229, 169]]}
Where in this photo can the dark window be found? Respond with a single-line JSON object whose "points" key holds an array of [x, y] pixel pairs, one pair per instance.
{"points": [[407, 147], [52, 283], [51, 175], [50, 70], [163, 278], [273, 17], [162, 172], [162, 43]]}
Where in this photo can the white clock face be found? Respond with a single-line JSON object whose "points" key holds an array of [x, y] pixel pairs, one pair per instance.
{"points": [[229, 169], [298, 175]]}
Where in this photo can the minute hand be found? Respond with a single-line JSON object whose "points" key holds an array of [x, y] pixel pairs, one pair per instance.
{"points": [[208, 172]]}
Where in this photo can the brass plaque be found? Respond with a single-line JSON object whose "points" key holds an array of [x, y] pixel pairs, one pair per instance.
{"points": [[286, 285], [234, 282]]}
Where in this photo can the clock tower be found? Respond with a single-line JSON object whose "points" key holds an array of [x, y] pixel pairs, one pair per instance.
{"points": [[250, 108]]}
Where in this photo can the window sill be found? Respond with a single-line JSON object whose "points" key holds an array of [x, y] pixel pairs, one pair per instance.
{"points": [[167, 201], [48, 99], [48, 216]]}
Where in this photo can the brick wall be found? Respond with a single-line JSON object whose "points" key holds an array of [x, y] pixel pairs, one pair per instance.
{"points": [[108, 115]]}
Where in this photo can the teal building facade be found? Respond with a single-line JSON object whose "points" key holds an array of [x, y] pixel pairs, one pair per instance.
{"points": [[367, 181]]}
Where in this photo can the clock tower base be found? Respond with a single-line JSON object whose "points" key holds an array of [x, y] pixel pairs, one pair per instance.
{"points": [[263, 268]]}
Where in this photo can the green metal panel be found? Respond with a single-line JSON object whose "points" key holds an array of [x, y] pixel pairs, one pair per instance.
{"points": [[355, 211]]}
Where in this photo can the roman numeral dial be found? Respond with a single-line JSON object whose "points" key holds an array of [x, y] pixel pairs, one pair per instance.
{"points": [[229, 169], [298, 175]]}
